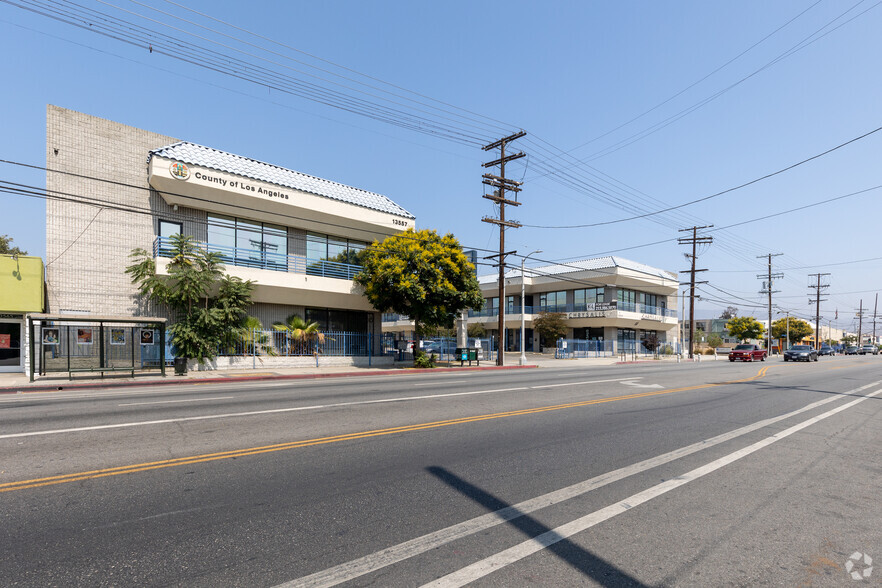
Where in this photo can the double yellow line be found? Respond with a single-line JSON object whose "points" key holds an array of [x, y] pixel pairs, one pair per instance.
{"points": [[206, 457]]}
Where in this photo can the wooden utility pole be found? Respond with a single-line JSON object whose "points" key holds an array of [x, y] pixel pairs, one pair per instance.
{"points": [[875, 308], [769, 276], [860, 323], [817, 300], [501, 184], [694, 240]]}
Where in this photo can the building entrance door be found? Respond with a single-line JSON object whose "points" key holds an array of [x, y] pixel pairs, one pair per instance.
{"points": [[10, 346]]}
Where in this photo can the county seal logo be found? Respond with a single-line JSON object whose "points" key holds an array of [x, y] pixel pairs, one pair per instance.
{"points": [[179, 170]]}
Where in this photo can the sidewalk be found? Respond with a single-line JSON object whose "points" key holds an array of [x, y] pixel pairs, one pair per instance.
{"points": [[12, 383]]}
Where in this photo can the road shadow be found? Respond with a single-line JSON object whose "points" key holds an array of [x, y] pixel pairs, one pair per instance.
{"points": [[588, 564]]}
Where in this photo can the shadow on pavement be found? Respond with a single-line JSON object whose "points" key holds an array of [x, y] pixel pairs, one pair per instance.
{"points": [[584, 561]]}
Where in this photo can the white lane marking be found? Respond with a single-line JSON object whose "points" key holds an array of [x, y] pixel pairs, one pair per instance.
{"points": [[396, 553], [251, 413], [176, 401], [514, 554], [631, 382], [442, 383], [581, 383]]}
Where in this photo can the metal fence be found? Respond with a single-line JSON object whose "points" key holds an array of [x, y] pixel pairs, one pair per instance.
{"points": [[443, 349], [278, 343], [579, 348], [582, 348]]}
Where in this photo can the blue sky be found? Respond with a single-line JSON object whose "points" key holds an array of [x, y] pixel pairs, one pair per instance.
{"points": [[574, 75]]}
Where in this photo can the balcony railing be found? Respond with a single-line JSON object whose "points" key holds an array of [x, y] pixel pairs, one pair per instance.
{"points": [[621, 306], [296, 264]]}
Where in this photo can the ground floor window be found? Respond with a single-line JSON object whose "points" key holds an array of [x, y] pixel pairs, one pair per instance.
{"points": [[332, 320], [626, 339], [10, 346], [588, 333]]}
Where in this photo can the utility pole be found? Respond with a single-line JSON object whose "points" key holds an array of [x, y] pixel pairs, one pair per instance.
{"points": [[817, 300], [875, 308], [501, 184], [694, 240], [768, 289], [860, 323]]}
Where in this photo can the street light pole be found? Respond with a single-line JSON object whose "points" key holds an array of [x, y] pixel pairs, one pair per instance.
{"points": [[524, 355]]}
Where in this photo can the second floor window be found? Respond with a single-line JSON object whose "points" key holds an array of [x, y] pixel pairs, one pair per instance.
{"points": [[587, 296], [553, 301], [247, 242]]}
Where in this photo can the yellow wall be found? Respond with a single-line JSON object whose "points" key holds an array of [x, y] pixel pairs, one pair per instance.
{"points": [[21, 284]]}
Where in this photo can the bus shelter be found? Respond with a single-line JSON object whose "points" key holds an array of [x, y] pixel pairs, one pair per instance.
{"points": [[95, 344]]}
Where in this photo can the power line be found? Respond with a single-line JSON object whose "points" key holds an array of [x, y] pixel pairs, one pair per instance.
{"points": [[715, 195]]}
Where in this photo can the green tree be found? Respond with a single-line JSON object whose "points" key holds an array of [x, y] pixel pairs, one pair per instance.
{"points": [[551, 326], [6, 247], [202, 321], [252, 336], [799, 329], [714, 340], [305, 337], [745, 327], [477, 331], [422, 275], [849, 339]]}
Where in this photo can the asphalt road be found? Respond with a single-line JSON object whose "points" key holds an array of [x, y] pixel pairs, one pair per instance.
{"points": [[640, 475]]}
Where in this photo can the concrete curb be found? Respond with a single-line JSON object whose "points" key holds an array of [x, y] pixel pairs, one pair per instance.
{"points": [[171, 381]]}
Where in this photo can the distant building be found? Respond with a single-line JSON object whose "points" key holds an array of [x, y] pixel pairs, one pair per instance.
{"points": [[607, 299]]}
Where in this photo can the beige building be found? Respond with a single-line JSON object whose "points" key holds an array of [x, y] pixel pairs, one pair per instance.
{"points": [[612, 302], [114, 188]]}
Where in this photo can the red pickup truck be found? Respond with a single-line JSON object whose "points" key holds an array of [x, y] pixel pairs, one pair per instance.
{"points": [[747, 352]]}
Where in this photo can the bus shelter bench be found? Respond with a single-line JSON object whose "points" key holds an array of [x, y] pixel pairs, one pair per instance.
{"points": [[71, 371]]}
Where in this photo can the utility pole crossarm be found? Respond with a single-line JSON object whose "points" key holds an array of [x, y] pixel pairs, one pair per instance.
{"points": [[501, 183], [694, 240]]}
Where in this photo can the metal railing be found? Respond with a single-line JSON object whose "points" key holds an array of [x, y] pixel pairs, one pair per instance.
{"points": [[297, 264], [274, 343], [576, 348], [581, 348], [586, 307]]}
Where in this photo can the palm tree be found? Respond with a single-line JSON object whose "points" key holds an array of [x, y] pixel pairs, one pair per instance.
{"points": [[301, 333], [252, 335]]}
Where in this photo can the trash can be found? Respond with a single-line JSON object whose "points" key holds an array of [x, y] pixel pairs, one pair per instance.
{"points": [[180, 366]]}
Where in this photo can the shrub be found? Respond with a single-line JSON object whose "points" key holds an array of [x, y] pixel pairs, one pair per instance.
{"points": [[421, 360]]}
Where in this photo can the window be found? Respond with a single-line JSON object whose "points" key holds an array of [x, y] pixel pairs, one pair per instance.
{"points": [[169, 228], [553, 301], [166, 230], [587, 296], [321, 247], [332, 320], [626, 339], [248, 243]]}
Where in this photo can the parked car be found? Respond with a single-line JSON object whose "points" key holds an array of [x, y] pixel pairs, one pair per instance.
{"points": [[826, 350], [801, 353], [851, 350], [869, 349], [444, 347], [747, 352]]}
